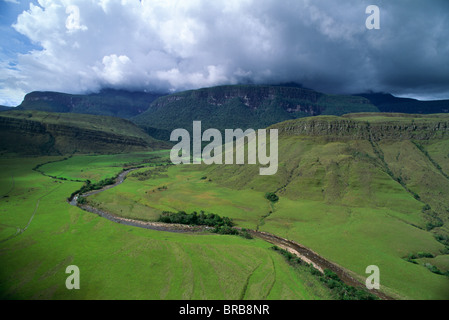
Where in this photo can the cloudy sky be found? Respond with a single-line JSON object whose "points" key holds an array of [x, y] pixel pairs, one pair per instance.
{"points": [[79, 46]]}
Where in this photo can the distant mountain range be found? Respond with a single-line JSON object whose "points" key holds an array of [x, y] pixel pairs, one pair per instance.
{"points": [[243, 106], [232, 106], [389, 103], [117, 103]]}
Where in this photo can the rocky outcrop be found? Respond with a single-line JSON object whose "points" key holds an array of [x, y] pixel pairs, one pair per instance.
{"points": [[399, 127]]}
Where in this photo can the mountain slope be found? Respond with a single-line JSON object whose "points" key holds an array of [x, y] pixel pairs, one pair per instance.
{"points": [[118, 103], [45, 133], [316, 153], [242, 106], [361, 190]]}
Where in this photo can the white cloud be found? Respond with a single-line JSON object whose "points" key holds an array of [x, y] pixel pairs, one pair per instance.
{"points": [[114, 69], [175, 45]]}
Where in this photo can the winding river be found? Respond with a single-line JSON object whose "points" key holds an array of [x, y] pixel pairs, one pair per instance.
{"points": [[306, 254]]}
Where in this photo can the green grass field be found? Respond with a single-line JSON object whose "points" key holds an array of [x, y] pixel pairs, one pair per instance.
{"points": [[356, 202], [354, 237], [41, 234]]}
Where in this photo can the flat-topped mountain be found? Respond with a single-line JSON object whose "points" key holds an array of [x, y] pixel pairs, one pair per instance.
{"points": [[243, 106], [118, 103], [386, 102]]}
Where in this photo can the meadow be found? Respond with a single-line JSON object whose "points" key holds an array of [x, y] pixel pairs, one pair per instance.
{"points": [[355, 200], [41, 234], [341, 199]]}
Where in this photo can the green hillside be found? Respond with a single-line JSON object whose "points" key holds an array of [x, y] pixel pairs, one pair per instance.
{"points": [[47, 133], [363, 189], [242, 106]]}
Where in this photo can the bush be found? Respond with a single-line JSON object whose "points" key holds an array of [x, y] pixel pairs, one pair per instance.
{"points": [[425, 255], [410, 260], [442, 239], [433, 269], [225, 230], [271, 196], [245, 234]]}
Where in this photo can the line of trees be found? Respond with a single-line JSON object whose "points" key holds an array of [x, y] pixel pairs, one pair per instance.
{"points": [[222, 225], [195, 218]]}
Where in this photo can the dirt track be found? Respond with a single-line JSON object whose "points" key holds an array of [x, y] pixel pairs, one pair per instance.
{"points": [[299, 250]]}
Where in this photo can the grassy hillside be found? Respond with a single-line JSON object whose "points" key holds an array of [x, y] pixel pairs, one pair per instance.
{"points": [[118, 103], [364, 189], [45, 133], [41, 234], [242, 106]]}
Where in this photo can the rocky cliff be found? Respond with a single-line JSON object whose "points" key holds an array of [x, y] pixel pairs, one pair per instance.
{"points": [[374, 127], [244, 106]]}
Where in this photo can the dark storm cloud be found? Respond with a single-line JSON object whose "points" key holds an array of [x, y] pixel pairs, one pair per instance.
{"points": [[176, 45]]}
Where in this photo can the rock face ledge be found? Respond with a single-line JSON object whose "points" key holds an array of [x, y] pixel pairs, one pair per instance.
{"points": [[370, 126]]}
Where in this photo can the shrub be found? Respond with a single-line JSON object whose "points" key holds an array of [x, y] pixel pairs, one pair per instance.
{"points": [[433, 269], [271, 196], [225, 230], [442, 239], [425, 255]]}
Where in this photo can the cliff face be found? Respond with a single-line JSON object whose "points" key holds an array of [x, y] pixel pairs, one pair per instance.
{"points": [[244, 106], [376, 128], [254, 97], [25, 135], [119, 103]]}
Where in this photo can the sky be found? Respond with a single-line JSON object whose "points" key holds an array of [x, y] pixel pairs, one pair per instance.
{"points": [[82, 46]]}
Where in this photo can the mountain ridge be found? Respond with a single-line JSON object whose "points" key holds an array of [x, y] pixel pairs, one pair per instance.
{"points": [[222, 107], [43, 133], [243, 106], [108, 102]]}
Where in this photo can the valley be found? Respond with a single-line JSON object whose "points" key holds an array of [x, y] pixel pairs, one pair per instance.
{"points": [[118, 261], [352, 191]]}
